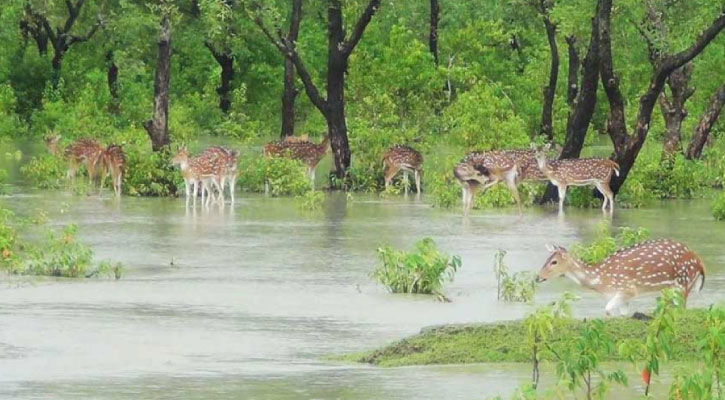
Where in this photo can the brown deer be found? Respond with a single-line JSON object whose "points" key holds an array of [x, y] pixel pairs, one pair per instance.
{"points": [[83, 152], [51, 141], [470, 177], [230, 158], [112, 159], [643, 268], [308, 152], [202, 170], [579, 172], [508, 166], [403, 158]]}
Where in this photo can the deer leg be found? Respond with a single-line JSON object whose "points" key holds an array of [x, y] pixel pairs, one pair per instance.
{"points": [[608, 194], [511, 183], [405, 181], [417, 181], [232, 186], [119, 181], [615, 303], [562, 196], [390, 172]]}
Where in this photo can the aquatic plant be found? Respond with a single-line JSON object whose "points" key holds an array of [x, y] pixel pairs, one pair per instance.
{"points": [[45, 171], [311, 200], [285, 176], [424, 270], [60, 255], [521, 286], [718, 208], [604, 244]]}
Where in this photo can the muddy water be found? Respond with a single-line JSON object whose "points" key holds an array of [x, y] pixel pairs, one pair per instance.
{"points": [[243, 302]]}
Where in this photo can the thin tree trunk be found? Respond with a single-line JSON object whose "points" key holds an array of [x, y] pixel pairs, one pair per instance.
{"points": [[703, 128], [226, 61], [435, 11], [158, 127], [112, 78], [336, 68], [289, 92], [547, 124], [673, 109], [572, 89]]}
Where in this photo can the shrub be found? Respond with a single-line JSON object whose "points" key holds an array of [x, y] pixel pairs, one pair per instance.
{"points": [[718, 208], [61, 255], [605, 244], [150, 173], [424, 270], [285, 176], [311, 200], [45, 171], [521, 286]]}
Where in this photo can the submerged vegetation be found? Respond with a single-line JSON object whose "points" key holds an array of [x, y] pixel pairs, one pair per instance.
{"points": [[718, 208], [424, 270], [519, 286]]}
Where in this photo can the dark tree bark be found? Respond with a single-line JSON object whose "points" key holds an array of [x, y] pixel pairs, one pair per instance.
{"points": [[158, 127], [547, 120], [572, 89], [582, 105], [59, 37], [226, 61], [703, 128], [435, 11], [673, 109], [289, 92], [338, 52], [31, 25], [626, 146], [112, 78], [194, 9]]}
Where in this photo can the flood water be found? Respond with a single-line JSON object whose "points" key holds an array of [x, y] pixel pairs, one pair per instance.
{"points": [[244, 302]]}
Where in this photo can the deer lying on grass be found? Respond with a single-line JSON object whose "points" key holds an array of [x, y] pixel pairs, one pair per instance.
{"points": [[204, 170], [298, 149], [230, 159], [112, 159], [646, 267], [403, 158], [579, 172], [82, 152], [492, 167]]}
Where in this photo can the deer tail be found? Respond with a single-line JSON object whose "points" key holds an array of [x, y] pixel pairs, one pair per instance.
{"points": [[612, 164]]}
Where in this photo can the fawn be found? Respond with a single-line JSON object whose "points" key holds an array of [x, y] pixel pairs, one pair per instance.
{"points": [[403, 158], [85, 152], [579, 172], [230, 158], [298, 149], [646, 267], [204, 170], [112, 159]]}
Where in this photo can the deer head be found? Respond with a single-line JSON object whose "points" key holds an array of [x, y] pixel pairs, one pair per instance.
{"points": [[181, 156], [558, 263], [470, 172], [51, 142], [540, 154]]}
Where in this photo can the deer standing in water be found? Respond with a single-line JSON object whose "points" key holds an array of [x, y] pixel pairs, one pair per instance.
{"points": [[492, 167], [112, 159], [403, 158], [646, 267], [83, 152], [204, 170], [230, 158], [298, 149], [51, 143], [579, 172]]}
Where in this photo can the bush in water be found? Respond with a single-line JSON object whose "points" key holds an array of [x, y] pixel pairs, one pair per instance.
{"points": [[605, 244], [718, 208], [285, 176]]}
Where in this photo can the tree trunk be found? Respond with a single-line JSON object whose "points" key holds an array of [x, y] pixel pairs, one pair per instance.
{"points": [[582, 106], [673, 109], [224, 90], [289, 93], [112, 78], [158, 127], [435, 11], [547, 124], [572, 89], [703, 128], [336, 69]]}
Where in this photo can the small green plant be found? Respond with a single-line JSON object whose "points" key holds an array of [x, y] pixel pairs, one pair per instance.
{"points": [[424, 270], [284, 176], [718, 208], [311, 200], [108, 269], [46, 172], [660, 333], [150, 173], [61, 255], [605, 244], [521, 286]]}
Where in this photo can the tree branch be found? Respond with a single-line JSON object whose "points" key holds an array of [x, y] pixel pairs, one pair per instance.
{"points": [[673, 62], [360, 26]]}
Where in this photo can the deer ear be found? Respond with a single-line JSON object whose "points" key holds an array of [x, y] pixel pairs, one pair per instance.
{"points": [[559, 248], [550, 247], [547, 147]]}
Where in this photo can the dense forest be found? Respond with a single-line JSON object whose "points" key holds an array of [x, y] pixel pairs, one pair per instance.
{"points": [[642, 82]]}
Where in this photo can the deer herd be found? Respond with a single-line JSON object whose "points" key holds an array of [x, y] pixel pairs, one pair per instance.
{"points": [[645, 267]]}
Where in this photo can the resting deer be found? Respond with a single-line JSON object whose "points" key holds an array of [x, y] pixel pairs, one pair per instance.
{"points": [[199, 170], [643, 268], [230, 158], [579, 172], [508, 166], [112, 159], [51, 143], [403, 158], [299, 149], [83, 151]]}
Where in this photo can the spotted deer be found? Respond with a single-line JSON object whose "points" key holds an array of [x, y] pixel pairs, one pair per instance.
{"points": [[508, 166], [230, 158], [112, 160], [403, 158], [202, 170], [308, 152], [646, 267], [579, 172], [82, 152], [51, 143], [470, 177]]}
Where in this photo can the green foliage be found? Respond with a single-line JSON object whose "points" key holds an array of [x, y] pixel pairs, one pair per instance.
{"points": [[604, 244], [285, 176], [150, 173], [718, 208], [310, 201], [108, 269], [424, 270], [521, 286], [60, 255], [44, 171]]}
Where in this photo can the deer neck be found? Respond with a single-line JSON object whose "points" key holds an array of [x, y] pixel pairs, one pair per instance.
{"points": [[585, 275]]}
